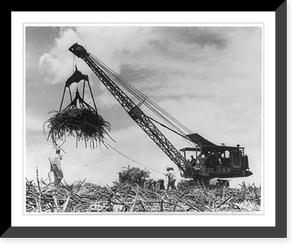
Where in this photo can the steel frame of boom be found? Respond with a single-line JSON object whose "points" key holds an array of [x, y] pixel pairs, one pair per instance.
{"points": [[133, 110]]}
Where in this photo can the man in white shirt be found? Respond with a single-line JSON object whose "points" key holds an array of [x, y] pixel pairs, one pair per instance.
{"points": [[56, 167]]}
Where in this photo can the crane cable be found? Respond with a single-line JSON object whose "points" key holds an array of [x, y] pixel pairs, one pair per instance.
{"points": [[152, 105], [133, 159], [166, 117], [160, 112], [128, 87]]}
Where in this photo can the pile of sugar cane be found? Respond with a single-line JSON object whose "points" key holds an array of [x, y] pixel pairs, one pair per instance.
{"points": [[130, 198]]}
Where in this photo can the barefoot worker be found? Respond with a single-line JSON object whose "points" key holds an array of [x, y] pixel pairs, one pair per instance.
{"points": [[56, 167]]}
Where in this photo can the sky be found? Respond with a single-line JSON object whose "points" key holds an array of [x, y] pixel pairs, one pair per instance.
{"points": [[209, 78]]}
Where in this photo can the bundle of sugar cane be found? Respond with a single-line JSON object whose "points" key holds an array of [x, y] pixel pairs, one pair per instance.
{"points": [[83, 122]]}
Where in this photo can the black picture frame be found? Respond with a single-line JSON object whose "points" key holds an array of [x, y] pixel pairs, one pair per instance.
{"points": [[280, 228]]}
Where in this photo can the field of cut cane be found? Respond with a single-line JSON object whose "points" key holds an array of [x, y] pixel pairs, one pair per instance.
{"points": [[85, 197]]}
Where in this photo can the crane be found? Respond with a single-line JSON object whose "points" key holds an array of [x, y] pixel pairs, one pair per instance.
{"points": [[205, 150]]}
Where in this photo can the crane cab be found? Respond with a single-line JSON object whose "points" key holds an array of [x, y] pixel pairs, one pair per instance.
{"points": [[211, 161]]}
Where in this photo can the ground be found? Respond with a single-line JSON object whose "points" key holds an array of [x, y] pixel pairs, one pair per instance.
{"points": [[189, 197]]}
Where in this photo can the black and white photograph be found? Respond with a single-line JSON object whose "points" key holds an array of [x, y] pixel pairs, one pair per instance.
{"points": [[143, 119]]}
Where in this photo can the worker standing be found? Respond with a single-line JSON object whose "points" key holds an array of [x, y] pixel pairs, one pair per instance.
{"points": [[56, 167], [171, 178]]}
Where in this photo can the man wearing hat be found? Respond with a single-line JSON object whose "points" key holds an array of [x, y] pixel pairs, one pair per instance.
{"points": [[171, 178], [56, 167]]}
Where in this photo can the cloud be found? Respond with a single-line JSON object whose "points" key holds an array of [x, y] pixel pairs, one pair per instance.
{"points": [[187, 43], [109, 44], [54, 63], [213, 61], [106, 101]]}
